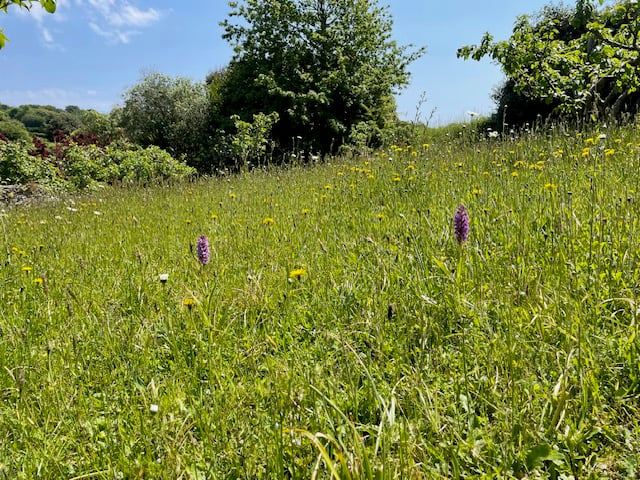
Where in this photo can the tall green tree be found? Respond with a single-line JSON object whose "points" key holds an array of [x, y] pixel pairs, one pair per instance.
{"points": [[49, 6], [588, 67], [322, 65], [171, 113]]}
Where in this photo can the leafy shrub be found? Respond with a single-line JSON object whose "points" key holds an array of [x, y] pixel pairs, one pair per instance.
{"points": [[18, 166], [146, 164]]}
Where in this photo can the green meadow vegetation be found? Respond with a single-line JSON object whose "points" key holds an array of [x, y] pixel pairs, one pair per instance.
{"points": [[268, 275], [339, 329]]}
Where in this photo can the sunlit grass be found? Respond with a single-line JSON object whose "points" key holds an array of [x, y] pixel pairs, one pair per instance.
{"points": [[339, 329]]}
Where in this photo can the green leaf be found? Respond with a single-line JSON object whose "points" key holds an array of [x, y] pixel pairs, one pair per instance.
{"points": [[543, 453], [3, 39], [49, 5]]}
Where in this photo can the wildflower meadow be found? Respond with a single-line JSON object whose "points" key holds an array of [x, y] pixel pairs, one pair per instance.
{"points": [[463, 308]]}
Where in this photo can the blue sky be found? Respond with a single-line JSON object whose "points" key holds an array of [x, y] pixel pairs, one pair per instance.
{"points": [[90, 51]]}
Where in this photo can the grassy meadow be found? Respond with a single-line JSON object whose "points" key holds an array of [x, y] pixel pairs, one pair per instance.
{"points": [[339, 330]]}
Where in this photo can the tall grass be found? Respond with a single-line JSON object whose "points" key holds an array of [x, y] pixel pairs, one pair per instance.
{"points": [[339, 330]]}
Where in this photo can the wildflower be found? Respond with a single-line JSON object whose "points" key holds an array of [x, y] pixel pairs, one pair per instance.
{"points": [[305, 211], [268, 221], [189, 302], [411, 167], [396, 179], [96, 212], [38, 280], [202, 248], [297, 273], [380, 216], [27, 269], [327, 187], [461, 224], [476, 192], [608, 152], [163, 277], [550, 186], [213, 216], [514, 174], [153, 408], [232, 196]]}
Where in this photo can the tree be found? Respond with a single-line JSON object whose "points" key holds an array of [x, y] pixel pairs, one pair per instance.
{"points": [[585, 64], [48, 5], [170, 113], [322, 65]]}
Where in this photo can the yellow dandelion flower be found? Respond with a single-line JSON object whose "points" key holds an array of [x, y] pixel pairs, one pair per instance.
{"points": [[514, 174], [189, 302], [370, 177], [38, 280], [380, 216], [590, 141], [550, 186], [27, 269], [305, 211], [396, 179], [188, 221], [352, 186], [608, 152], [425, 145], [298, 273], [414, 154], [586, 151], [268, 221], [476, 192], [411, 167], [519, 163], [213, 216], [232, 196]]}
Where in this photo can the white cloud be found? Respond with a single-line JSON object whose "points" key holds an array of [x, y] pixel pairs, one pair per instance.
{"points": [[113, 36], [47, 35], [115, 20], [132, 16], [117, 17]]}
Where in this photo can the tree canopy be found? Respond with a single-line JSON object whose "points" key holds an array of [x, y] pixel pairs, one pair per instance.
{"points": [[48, 5], [322, 65], [584, 61]]}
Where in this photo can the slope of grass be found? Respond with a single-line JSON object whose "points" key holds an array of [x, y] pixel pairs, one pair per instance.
{"points": [[339, 330]]}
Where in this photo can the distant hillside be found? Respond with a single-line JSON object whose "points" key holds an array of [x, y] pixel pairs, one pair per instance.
{"points": [[43, 121]]}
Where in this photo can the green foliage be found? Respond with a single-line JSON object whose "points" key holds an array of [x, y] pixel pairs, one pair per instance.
{"points": [[48, 5], [584, 62], [18, 166], [14, 130], [323, 66], [87, 166], [251, 140], [170, 113]]}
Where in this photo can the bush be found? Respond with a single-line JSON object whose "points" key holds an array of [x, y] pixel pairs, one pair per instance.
{"points": [[146, 164], [18, 166], [85, 166]]}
